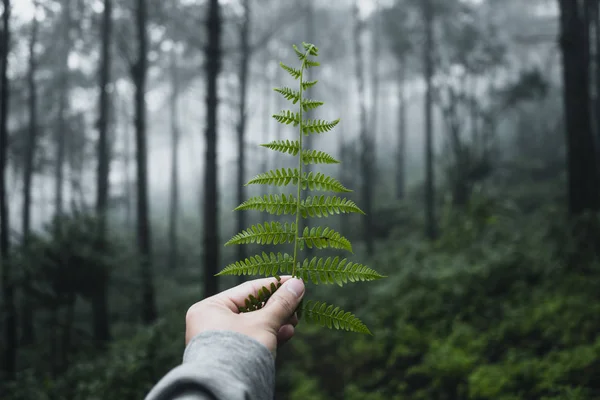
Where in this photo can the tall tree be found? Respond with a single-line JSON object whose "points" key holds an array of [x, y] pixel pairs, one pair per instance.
{"points": [[9, 356], [29, 153], [365, 140], [31, 143], [211, 196], [175, 137], [584, 183], [63, 106], [100, 298], [241, 127], [140, 71], [428, 20], [398, 29]]}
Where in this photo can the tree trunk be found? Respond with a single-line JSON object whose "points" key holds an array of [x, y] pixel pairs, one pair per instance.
{"points": [[101, 324], [127, 164], [582, 166], [140, 70], [430, 221], [241, 128], [401, 151], [28, 333], [211, 196], [174, 200], [9, 356], [365, 141], [59, 175]]}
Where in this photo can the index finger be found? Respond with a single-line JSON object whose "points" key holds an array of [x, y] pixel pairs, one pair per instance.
{"points": [[235, 297]]}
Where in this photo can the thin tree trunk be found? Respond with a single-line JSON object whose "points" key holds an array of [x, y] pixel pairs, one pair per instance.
{"points": [[430, 221], [401, 150], [375, 87], [101, 323], [144, 236], [9, 357], [174, 200], [582, 166], [62, 109], [29, 153], [28, 333], [241, 128], [127, 164], [211, 195], [365, 140]]}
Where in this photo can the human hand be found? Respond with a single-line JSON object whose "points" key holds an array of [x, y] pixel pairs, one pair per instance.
{"points": [[272, 326]]}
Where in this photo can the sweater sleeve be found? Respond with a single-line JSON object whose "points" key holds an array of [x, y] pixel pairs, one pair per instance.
{"points": [[220, 365]]}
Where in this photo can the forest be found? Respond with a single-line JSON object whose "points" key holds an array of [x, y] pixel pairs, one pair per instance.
{"points": [[469, 131]]}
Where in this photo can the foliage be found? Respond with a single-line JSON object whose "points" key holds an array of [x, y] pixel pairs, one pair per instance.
{"points": [[318, 270]]}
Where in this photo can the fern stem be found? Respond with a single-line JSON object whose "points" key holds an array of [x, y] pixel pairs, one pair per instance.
{"points": [[300, 164]]}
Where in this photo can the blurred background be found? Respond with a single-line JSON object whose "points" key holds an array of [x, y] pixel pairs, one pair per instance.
{"points": [[470, 133]]}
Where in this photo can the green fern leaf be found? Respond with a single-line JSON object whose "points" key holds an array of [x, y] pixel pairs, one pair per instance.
{"points": [[318, 126], [287, 117], [284, 146], [266, 264], [264, 294], [308, 156], [332, 317], [289, 94], [317, 157], [311, 48], [295, 73], [313, 181], [321, 181], [308, 84], [310, 63], [321, 238], [330, 271], [321, 206], [301, 55], [273, 204], [310, 104], [267, 233]]}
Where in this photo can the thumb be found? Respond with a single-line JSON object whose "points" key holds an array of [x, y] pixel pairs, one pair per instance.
{"points": [[283, 302]]}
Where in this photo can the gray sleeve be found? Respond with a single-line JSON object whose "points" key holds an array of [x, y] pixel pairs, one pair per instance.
{"points": [[220, 365]]}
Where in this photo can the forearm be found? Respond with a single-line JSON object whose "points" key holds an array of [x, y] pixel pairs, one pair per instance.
{"points": [[220, 365]]}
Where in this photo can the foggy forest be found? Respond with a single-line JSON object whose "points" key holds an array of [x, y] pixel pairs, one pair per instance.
{"points": [[469, 132]]}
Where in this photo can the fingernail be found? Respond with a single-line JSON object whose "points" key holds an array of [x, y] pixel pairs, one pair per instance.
{"points": [[295, 286]]}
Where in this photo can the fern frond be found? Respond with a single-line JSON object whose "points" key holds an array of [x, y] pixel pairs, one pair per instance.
{"points": [[295, 73], [273, 204], [322, 206], [332, 317], [318, 126], [321, 181], [313, 181], [308, 84], [321, 238], [308, 156], [317, 206], [267, 233], [301, 55], [311, 48], [264, 294], [308, 104], [330, 271], [317, 157], [310, 63], [289, 94], [287, 117], [266, 264]]}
